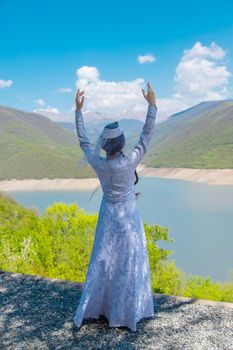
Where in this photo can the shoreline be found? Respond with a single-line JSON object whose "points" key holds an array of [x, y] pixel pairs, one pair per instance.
{"points": [[48, 184], [208, 176]]}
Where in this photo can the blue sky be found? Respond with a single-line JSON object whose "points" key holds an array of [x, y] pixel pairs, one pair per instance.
{"points": [[44, 43]]}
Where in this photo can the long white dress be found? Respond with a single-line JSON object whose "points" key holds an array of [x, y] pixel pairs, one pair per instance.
{"points": [[118, 283]]}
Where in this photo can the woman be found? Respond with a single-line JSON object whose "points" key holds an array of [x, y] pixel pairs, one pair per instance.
{"points": [[118, 283]]}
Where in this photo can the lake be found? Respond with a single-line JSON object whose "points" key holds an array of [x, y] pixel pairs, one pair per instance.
{"points": [[199, 217]]}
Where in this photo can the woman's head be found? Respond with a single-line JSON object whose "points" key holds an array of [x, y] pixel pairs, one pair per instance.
{"points": [[113, 138], [114, 145]]}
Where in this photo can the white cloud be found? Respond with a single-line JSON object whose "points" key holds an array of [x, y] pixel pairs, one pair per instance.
{"points": [[88, 74], [5, 83], [201, 75], [64, 90], [48, 109], [198, 50], [122, 99], [149, 58], [40, 102], [52, 113], [55, 115], [169, 106], [114, 99]]}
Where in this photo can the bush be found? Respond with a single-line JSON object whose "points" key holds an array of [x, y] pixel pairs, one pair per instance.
{"points": [[59, 243]]}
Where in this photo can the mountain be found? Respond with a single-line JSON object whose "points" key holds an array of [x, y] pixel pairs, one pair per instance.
{"points": [[131, 127], [197, 109], [199, 137], [33, 146], [67, 126]]}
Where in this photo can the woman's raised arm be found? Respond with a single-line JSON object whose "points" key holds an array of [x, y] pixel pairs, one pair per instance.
{"points": [[87, 147], [138, 152]]}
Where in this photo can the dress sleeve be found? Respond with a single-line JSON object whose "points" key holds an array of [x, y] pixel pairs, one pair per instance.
{"points": [[87, 147], [138, 152]]}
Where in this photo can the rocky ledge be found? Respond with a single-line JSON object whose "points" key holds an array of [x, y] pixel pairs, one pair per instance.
{"points": [[37, 313]]}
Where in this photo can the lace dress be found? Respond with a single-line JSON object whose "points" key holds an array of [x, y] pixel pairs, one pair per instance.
{"points": [[118, 283]]}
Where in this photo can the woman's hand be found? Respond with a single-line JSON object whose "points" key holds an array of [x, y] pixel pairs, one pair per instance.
{"points": [[150, 96], [79, 101]]}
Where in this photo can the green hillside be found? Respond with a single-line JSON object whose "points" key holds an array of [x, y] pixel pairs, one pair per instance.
{"points": [[199, 137], [34, 147]]}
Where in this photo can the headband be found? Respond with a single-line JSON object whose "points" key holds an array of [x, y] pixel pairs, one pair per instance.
{"points": [[110, 131]]}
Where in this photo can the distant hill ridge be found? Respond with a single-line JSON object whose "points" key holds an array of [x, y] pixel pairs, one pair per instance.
{"points": [[34, 147], [199, 137], [197, 109], [131, 128]]}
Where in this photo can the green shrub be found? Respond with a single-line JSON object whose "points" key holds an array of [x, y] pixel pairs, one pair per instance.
{"points": [[59, 243]]}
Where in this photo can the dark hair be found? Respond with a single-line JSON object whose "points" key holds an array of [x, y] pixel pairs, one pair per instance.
{"points": [[137, 179], [114, 145]]}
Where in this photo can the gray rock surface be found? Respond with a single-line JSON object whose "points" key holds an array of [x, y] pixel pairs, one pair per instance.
{"points": [[37, 313]]}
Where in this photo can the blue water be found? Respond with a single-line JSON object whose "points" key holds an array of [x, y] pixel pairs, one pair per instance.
{"points": [[199, 217]]}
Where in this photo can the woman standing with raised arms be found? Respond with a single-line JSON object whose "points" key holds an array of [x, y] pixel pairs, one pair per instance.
{"points": [[118, 283]]}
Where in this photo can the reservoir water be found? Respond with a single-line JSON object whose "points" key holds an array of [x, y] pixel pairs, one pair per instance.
{"points": [[199, 217]]}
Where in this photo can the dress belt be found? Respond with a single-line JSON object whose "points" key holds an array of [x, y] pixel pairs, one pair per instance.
{"points": [[118, 200]]}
